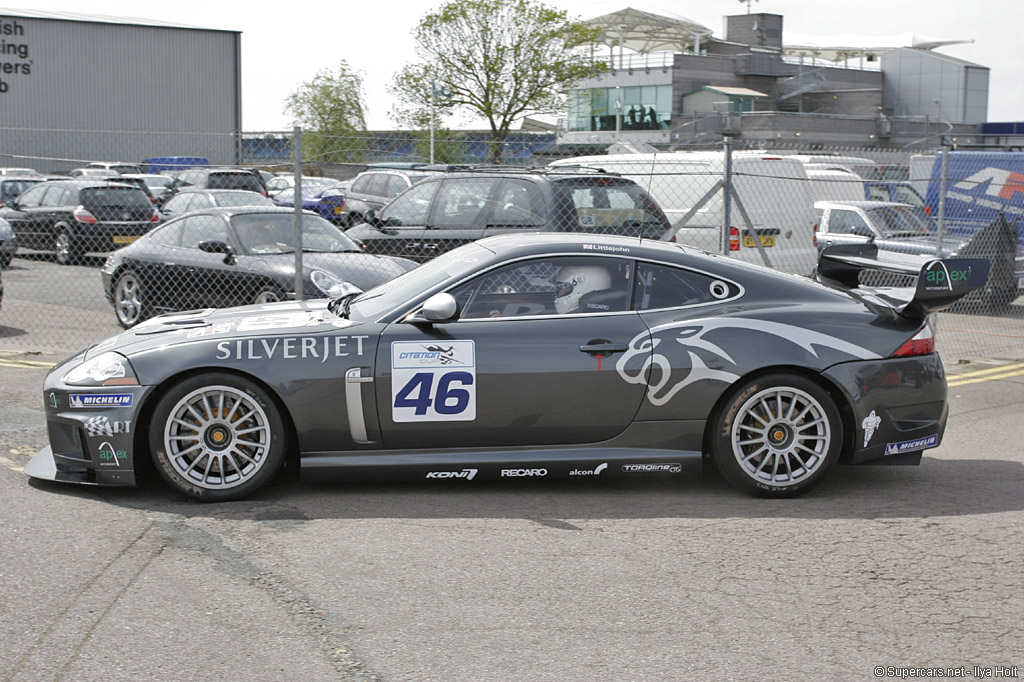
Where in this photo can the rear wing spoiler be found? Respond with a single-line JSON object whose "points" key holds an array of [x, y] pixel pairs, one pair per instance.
{"points": [[941, 282]]}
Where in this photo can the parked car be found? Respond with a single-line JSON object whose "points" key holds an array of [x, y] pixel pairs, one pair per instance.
{"points": [[18, 171], [216, 178], [156, 184], [324, 196], [895, 191], [121, 167], [72, 217], [8, 243], [13, 185], [445, 210], [608, 357], [190, 199], [95, 173], [372, 189], [234, 256], [904, 233]]}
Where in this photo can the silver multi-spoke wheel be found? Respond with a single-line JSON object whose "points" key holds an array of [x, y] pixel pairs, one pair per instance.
{"points": [[267, 295], [217, 437], [777, 435], [128, 303], [780, 436], [62, 248]]}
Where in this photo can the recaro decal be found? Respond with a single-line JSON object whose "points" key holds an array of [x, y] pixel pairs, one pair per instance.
{"points": [[691, 335]]}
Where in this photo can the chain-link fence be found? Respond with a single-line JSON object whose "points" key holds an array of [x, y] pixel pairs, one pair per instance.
{"points": [[236, 237]]}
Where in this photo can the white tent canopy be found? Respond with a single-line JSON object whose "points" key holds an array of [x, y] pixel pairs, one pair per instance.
{"points": [[837, 48], [646, 31]]}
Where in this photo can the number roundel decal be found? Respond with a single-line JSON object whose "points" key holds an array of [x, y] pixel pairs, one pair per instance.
{"points": [[433, 381]]}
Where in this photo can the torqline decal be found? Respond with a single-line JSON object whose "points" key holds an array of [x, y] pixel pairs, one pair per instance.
{"points": [[433, 382], [870, 425], [690, 334]]}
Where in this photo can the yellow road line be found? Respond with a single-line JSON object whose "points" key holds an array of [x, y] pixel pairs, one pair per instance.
{"points": [[25, 364], [978, 379], [990, 370]]}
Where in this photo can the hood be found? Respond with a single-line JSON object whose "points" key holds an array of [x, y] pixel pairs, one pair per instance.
{"points": [[287, 317], [364, 270]]}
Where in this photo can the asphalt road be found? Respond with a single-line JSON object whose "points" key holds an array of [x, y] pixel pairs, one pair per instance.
{"points": [[677, 578]]}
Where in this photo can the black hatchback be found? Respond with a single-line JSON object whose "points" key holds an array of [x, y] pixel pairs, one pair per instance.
{"points": [[73, 217], [446, 210]]}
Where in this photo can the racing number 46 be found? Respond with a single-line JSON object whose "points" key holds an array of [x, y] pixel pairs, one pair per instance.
{"points": [[447, 399]]}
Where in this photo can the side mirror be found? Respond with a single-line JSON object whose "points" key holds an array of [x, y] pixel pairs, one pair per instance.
{"points": [[370, 218], [216, 246], [438, 308]]}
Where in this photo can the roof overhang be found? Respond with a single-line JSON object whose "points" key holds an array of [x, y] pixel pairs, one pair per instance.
{"points": [[647, 31]]}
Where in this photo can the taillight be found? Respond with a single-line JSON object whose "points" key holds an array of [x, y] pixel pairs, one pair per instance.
{"points": [[928, 210], [921, 343], [155, 217], [815, 236], [83, 216], [734, 239]]}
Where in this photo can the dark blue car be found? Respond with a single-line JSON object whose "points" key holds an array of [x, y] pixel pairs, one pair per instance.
{"points": [[324, 196]]}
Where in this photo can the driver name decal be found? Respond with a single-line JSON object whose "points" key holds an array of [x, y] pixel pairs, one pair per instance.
{"points": [[433, 381]]}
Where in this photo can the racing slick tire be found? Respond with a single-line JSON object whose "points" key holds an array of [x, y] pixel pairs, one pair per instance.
{"points": [[777, 435], [217, 437], [130, 305]]}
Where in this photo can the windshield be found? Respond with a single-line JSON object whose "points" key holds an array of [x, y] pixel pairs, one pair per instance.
{"points": [[900, 221], [268, 233], [394, 293]]}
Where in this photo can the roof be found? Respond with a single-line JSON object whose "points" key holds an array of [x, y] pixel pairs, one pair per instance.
{"points": [[731, 92], [840, 47], [645, 30], [98, 19]]}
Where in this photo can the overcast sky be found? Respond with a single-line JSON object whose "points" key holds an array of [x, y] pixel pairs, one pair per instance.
{"points": [[284, 44]]}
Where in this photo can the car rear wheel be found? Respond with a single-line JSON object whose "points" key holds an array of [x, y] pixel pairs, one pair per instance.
{"points": [[777, 436], [65, 251], [129, 303], [217, 437], [268, 294]]}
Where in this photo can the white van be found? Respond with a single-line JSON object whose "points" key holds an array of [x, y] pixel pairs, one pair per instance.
{"points": [[835, 185], [771, 190]]}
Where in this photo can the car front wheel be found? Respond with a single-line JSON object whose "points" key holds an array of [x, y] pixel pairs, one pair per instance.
{"points": [[268, 294], [217, 437], [65, 251], [129, 304], [777, 436]]}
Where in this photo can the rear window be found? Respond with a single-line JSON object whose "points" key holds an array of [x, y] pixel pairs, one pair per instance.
{"points": [[241, 198], [12, 188], [597, 205], [246, 181], [128, 197]]}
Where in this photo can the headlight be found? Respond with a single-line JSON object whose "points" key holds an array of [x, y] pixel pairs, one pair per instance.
{"points": [[106, 369], [328, 284]]}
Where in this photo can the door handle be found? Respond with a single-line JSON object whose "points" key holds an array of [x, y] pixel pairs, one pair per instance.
{"points": [[604, 347]]}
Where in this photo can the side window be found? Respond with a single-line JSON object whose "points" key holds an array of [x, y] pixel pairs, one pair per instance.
{"points": [[460, 202], [606, 208], [32, 197], [169, 235], [847, 222], [361, 183], [178, 204], [878, 193], [517, 204], [905, 195], [377, 185], [396, 185], [547, 286], [662, 286], [201, 229], [200, 201], [410, 209], [57, 196]]}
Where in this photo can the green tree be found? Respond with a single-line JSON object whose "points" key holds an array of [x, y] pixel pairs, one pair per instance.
{"points": [[330, 110], [498, 59]]}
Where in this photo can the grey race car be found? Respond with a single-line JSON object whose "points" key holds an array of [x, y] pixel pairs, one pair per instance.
{"points": [[521, 356]]}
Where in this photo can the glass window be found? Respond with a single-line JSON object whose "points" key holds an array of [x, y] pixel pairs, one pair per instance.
{"points": [[604, 207], [661, 286], [268, 233], [547, 286], [58, 196], [460, 202], [847, 222], [168, 235], [203, 228], [396, 185], [33, 197], [113, 196], [411, 208], [377, 185], [878, 193], [361, 183], [906, 195], [517, 203], [177, 204], [200, 200]]}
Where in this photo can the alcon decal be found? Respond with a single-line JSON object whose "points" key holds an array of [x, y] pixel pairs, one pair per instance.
{"points": [[589, 472]]}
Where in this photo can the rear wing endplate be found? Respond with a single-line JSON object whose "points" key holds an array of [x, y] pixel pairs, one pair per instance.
{"points": [[941, 282]]}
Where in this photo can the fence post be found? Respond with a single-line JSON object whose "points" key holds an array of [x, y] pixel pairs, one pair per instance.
{"points": [[727, 195], [297, 162], [944, 174]]}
